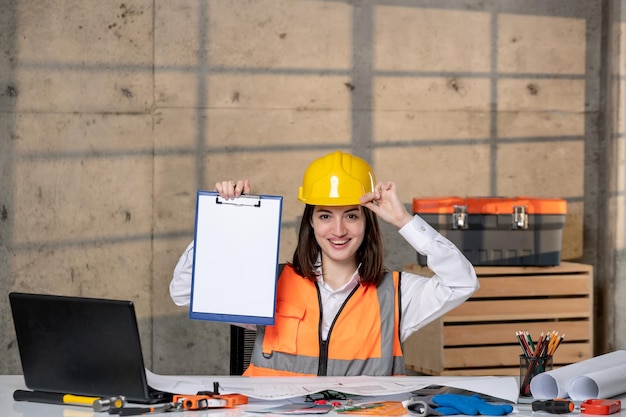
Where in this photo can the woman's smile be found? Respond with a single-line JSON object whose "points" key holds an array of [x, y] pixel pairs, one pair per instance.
{"points": [[339, 230]]}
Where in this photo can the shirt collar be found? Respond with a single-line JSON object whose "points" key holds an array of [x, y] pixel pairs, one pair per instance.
{"points": [[318, 273]]}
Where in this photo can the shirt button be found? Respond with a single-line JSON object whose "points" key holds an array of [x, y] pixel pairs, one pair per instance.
{"points": [[423, 229]]}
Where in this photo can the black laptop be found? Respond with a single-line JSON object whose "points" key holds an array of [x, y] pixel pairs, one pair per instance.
{"points": [[81, 346]]}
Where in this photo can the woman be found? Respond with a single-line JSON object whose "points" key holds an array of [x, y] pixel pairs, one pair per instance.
{"points": [[338, 311]]}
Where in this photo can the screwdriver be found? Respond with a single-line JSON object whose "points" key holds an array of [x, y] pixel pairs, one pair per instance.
{"points": [[556, 406]]}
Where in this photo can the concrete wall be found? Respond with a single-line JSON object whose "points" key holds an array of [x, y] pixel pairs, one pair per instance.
{"points": [[615, 290], [113, 115]]}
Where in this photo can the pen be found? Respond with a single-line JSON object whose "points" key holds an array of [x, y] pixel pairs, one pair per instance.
{"points": [[53, 398]]}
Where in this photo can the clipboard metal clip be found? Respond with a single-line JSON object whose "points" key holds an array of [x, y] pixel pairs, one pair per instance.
{"points": [[250, 200]]}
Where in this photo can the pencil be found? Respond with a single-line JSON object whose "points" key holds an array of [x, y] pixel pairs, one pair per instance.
{"points": [[546, 344], [556, 344], [553, 340], [539, 347], [530, 341], [523, 343]]}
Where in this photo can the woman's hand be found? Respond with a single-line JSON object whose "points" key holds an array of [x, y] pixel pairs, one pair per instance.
{"points": [[233, 189], [384, 201]]}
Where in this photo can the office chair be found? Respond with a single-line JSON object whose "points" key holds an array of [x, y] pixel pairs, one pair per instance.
{"points": [[242, 343]]}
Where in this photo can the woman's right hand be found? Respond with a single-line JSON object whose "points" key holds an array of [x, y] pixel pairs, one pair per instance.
{"points": [[233, 189], [384, 201]]}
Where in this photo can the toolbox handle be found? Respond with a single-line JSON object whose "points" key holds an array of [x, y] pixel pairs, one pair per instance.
{"points": [[459, 217], [520, 218]]}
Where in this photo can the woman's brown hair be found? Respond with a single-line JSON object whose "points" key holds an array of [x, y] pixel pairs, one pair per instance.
{"points": [[369, 256]]}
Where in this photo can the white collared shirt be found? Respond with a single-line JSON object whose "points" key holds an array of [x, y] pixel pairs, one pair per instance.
{"points": [[423, 299], [332, 300]]}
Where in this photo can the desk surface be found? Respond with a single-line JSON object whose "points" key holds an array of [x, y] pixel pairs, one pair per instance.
{"points": [[11, 408]]}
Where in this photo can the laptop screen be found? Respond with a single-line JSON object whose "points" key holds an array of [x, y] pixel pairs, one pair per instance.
{"points": [[76, 345]]}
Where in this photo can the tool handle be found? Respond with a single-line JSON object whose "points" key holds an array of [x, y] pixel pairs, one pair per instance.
{"points": [[52, 397], [135, 411], [556, 406], [40, 397]]}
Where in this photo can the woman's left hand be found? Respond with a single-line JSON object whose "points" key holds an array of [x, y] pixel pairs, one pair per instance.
{"points": [[384, 201]]}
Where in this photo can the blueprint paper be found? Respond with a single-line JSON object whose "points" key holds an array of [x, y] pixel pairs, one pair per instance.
{"points": [[605, 383], [277, 388], [556, 383]]}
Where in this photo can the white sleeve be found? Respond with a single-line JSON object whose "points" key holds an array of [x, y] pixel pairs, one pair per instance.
{"points": [[425, 299], [180, 287]]}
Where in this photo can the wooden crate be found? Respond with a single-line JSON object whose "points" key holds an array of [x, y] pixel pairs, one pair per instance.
{"points": [[478, 337]]}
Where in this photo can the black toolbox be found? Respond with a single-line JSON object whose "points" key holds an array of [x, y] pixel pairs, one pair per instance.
{"points": [[498, 230]]}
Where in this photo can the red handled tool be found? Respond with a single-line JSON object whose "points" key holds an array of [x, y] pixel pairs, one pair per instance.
{"points": [[600, 406], [204, 401]]}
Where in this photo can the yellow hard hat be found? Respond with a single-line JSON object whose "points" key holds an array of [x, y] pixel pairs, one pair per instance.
{"points": [[337, 179]]}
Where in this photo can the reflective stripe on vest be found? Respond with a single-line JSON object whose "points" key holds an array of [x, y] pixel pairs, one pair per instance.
{"points": [[361, 340]]}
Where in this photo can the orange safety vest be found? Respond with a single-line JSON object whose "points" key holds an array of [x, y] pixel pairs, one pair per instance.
{"points": [[364, 339]]}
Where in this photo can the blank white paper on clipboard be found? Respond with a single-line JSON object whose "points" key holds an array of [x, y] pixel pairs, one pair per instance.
{"points": [[235, 262]]}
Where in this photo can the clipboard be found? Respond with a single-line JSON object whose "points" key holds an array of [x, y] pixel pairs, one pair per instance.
{"points": [[235, 260]]}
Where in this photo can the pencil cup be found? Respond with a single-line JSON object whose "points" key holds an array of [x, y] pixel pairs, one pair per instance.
{"points": [[529, 367]]}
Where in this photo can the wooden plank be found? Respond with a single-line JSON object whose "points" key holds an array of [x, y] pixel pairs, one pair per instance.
{"points": [[501, 371], [423, 370], [502, 333], [563, 268], [539, 285], [425, 347], [419, 270], [482, 372], [519, 309], [496, 356]]}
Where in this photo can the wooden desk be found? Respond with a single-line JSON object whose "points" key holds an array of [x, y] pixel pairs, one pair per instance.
{"points": [[478, 337]]}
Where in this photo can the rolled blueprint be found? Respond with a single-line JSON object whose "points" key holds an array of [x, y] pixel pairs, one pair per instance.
{"points": [[604, 383], [555, 383]]}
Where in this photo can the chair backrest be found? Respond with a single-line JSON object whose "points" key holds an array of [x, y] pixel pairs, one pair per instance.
{"points": [[242, 343]]}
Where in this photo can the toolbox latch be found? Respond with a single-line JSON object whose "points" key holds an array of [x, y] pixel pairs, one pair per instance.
{"points": [[459, 217], [520, 218]]}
